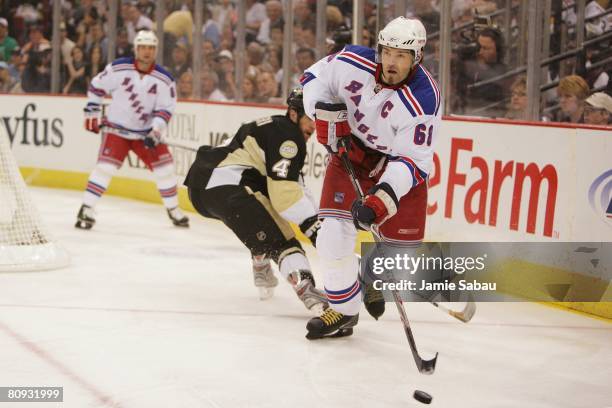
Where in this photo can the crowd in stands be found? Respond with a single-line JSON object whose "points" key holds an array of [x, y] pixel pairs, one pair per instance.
{"points": [[483, 53]]}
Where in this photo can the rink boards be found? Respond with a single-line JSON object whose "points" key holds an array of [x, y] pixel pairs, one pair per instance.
{"points": [[492, 181]]}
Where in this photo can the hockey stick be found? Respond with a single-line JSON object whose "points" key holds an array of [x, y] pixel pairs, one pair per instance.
{"points": [[424, 366], [179, 146]]}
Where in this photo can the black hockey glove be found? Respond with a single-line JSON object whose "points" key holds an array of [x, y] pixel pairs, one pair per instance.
{"points": [[310, 227], [379, 205], [152, 139]]}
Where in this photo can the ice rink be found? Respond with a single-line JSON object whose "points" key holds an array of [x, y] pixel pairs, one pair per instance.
{"points": [[150, 315]]}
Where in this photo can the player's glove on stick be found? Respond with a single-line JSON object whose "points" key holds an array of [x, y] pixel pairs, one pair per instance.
{"points": [[379, 205], [93, 117], [152, 139], [331, 123], [310, 227]]}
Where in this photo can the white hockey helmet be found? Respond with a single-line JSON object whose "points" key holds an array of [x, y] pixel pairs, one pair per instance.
{"points": [[406, 34], [145, 37]]}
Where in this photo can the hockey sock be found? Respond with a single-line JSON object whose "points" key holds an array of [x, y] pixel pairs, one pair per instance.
{"points": [[335, 245], [292, 262], [166, 184], [98, 182]]}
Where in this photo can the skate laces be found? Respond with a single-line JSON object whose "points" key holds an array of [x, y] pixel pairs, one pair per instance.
{"points": [[330, 317]]}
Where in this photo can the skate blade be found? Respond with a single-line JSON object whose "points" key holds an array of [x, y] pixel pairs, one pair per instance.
{"points": [[83, 225], [265, 293], [340, 333], [181, 224]]}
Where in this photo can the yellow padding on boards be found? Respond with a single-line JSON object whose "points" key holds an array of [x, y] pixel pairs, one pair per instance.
{"points": [[147, 191], [533, 281]]}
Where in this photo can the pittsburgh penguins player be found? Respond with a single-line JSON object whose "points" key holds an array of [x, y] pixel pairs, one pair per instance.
{"points": [[254, 185]]}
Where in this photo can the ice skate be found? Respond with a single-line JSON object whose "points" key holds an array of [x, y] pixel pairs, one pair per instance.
{"points": [[178, 218], [331, 324], [85, 218], [374, 301], [304, 285], [263, 277]]}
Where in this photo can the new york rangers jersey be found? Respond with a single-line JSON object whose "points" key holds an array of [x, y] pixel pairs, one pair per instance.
{"points": [[140, 101], [401, 122]]}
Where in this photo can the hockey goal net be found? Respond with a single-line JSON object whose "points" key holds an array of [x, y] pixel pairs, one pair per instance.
{"points": [[25, 244]]}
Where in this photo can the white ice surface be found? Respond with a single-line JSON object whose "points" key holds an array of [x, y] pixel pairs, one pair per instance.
{"points": [[150, 315]]}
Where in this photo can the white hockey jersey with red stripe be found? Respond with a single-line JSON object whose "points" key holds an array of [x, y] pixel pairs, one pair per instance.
{"points": [[140, 101], [402, 122]]}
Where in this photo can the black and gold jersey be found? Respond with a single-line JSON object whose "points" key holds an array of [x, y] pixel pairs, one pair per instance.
{"points": [[266, 155]]}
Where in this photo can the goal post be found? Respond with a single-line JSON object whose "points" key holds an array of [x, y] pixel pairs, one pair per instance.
{"points": [[25, 243]]}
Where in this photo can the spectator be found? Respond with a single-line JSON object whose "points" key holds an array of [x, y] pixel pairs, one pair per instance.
{"points": [[518, 100], [255, 15], [147, 8], [267, 88], [66, 44], [83, 10], [227, 38], [572, 92], [225, 13], [249, 89], [123, 47], [7, 43], [302, 13], [180, 59], [277, 34], [304, 57], [210, 29], [334, 18], [37, 73], [208, 54], [429, 16], [599, 25], [255, 57], [598, 109], [308, 37], [136, 22], [486, 65], [227, 85], [77, 73], [96, 38], [185, 85], [7, 83], [36, 44], [210, 90], [597, 78], [90, 18], [16, 66], [274, 13], [96, 64], [273, 62]]}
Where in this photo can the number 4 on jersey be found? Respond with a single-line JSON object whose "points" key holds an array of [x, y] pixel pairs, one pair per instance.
{"points": [[281, 168]]}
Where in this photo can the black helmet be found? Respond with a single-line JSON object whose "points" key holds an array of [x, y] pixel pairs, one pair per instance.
{"points": [[295, 101]]}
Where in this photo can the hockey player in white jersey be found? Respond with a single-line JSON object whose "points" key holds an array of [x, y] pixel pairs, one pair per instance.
{"points": [[143, 101], [386, 105]]}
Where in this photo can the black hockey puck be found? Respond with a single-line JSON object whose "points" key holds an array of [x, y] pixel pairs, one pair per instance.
{"points": [[422, 396]]}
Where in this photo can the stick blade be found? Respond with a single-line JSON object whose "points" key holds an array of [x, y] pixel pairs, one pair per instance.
{"points": [[428, 367], [467, 313]]}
